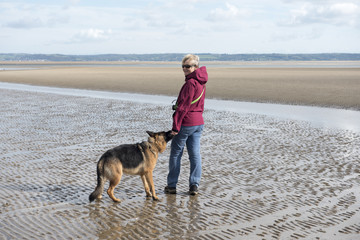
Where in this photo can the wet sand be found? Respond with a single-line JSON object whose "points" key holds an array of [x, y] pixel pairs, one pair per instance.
{"points": [[263, 177]]}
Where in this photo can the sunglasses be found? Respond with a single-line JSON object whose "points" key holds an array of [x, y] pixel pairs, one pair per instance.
{"points": [[187, 66]]}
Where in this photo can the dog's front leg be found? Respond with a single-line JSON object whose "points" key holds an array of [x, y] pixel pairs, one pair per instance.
{"points": [[146, 186], [149, 179]]}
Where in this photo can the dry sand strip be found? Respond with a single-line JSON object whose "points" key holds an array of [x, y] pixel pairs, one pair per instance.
{"points": [[326, 87]]}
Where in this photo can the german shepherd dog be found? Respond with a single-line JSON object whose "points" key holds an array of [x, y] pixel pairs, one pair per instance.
{"points": [[134, 159]]}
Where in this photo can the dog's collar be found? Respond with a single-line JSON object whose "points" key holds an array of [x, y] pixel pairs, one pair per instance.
{"points": [[145, 144]]}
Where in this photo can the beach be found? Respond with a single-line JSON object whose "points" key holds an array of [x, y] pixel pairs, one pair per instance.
{"points": [[264, 177], [312, 84]]}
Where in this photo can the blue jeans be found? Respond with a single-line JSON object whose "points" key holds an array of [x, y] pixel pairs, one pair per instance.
{"points": [[191, 137]]}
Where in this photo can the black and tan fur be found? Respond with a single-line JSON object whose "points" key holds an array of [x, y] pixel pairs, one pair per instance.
{"points": [[134, 159]]}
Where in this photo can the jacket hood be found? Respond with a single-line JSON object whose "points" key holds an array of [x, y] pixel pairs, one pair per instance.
{"points": [[199, 74]]}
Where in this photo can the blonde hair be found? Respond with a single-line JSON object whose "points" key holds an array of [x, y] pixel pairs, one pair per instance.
{"points": [[193, 58]]}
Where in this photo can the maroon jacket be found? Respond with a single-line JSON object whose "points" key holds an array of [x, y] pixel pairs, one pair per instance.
{"points": [[188, 114]]}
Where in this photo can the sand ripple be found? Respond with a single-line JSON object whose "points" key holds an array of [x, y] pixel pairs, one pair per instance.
{"points": [[263, 178]]}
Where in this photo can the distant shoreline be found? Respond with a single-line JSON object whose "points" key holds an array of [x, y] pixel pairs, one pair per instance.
{"points": [[178, 57], [222, 64]]}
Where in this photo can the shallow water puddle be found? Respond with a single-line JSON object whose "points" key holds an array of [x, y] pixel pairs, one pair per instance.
{"points": [[318, 116]]}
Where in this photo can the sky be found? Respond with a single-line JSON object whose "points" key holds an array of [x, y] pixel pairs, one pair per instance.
{"points": [[87, 27]]}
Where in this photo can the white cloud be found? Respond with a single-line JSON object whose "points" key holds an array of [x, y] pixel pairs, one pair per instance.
{"points": [[305, 35], [231, 12], [335, 14], [29, 16], [36, 22], [344, 8], [25, 23], [92, 34]]}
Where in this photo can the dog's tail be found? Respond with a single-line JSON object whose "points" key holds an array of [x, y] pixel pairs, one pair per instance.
{"points": [[100, 181]]}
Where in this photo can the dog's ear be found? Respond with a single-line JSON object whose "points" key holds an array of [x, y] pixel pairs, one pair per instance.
{"points": [[151, 134]]}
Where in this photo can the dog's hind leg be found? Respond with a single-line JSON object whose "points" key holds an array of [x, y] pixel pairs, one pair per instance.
{"points": [[146, 186], [149, 179], [113, 182]]}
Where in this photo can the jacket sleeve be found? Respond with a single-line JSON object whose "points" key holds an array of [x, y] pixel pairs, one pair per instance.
{"points": [[185, 98]]}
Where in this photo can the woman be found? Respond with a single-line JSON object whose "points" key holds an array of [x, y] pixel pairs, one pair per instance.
{"points": [[188, 124]]}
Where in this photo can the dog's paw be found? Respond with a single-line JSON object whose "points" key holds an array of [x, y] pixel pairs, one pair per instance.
{"points": [[155, 198]]}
